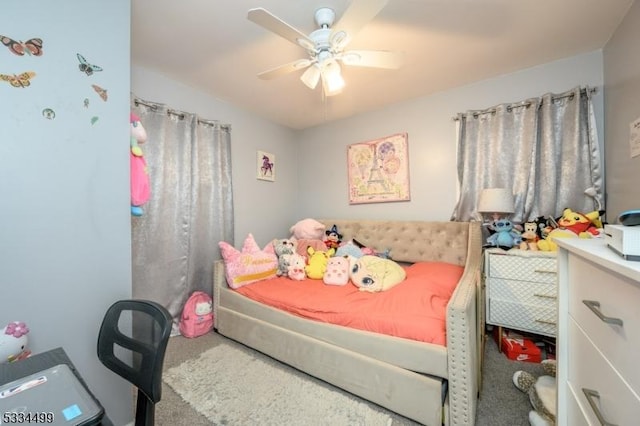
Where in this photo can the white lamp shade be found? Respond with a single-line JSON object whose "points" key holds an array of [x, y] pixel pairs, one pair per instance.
{"points": [[495, 200]]}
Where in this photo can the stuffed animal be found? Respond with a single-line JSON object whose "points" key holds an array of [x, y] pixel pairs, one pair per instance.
{"points": [[505, 235], [296, 267], [317, 262], [283, 248], [542, 393], [337, 272], [307, 229], [571, 225], [140, 187], [303, 244], [373, 273], [13, 342], [529, 236], [349, 249], [334, 238]]}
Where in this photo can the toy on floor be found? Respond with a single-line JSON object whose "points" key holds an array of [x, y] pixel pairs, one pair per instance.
{"points": [[13, 342], [140, 187], [541, 391]]}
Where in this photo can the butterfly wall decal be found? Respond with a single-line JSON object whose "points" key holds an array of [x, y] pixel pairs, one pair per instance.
{"points": [[32, 46], [100, 91], [86, 67], [18, 80]]}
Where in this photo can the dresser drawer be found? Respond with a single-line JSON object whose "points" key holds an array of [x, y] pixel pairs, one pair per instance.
{"points": [[588, 370], [525, 268], [539, 319], [617, 297], [527, 292]]}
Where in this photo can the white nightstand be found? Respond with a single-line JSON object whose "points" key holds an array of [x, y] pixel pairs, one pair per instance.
{"points": [[521, 290]]}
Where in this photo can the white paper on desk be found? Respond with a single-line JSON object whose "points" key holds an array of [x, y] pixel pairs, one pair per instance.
{"points": [[634, 137]]}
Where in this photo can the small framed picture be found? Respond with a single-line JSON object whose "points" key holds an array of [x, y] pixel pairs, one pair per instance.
{"points": [[266, 166]]}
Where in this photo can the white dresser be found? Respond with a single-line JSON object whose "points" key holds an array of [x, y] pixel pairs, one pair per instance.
{"points": [[521, 290], [598, 339]]}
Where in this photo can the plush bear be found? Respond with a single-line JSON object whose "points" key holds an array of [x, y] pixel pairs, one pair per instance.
{"points": [[373, 273], [283, 248], [542, 393], [296, 267], [307, 229], [317, 263]]}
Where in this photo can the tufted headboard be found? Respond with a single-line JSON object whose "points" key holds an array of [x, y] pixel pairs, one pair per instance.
{"points": [[409, 241]]}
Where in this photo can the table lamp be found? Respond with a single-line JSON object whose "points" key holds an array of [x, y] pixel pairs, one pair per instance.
{"points": [[497, 201]]}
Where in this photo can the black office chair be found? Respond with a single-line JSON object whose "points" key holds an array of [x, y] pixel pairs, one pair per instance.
{"points": [[145, 345]]}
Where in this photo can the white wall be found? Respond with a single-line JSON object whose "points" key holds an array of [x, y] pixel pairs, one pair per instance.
{"points": [[432, 141], [622, 106], [65, 251], [263, 208]]}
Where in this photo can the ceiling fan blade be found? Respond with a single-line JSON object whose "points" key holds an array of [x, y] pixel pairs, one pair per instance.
{"points": [[285, 69], [372, 59], [359, 13], [274, 24]]}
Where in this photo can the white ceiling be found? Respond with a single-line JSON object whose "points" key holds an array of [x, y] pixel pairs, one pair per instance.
{"points": [[212, 46]]}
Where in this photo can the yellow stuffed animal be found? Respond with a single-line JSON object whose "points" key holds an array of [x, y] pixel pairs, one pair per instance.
{"points": [[373, 273], [317, 262], [572, 225]]}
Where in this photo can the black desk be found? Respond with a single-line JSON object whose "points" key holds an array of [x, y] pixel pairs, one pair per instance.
{"points": [[14, 370]]}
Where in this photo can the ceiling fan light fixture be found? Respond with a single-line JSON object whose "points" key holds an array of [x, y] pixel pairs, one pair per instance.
{"points": [[311, 76], [332, 80]]}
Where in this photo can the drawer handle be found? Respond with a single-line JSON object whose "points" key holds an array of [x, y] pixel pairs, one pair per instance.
{"points": [[546, 322], [545, 271], [591, 395], [546, 296], [595, 308]]}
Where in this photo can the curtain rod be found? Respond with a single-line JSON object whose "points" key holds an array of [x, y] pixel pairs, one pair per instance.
{"points": [[526, 104], [180, 114]]}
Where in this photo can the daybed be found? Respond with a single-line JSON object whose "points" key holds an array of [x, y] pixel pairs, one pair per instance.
{"points": [[429, 383]]}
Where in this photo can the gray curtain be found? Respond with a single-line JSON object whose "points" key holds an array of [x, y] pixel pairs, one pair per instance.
{"points": [[175, 241], [545, 150]]}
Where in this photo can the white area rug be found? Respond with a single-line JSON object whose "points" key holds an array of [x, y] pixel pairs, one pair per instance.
{"points": [[232, 386]]}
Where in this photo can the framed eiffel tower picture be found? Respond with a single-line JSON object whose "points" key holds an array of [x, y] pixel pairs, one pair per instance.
{"points": [[378, 170]]}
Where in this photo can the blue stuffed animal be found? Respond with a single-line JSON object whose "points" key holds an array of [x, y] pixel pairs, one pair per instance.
{"points": [[505, 236]]}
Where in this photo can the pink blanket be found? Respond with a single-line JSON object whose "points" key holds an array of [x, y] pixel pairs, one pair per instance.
{"points": [[414, 309]]}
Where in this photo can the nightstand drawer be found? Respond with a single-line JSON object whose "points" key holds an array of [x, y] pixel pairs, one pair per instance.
{"points": [[524, 268], [614, 297], [525, 292], [589, 371], [539, 319]]}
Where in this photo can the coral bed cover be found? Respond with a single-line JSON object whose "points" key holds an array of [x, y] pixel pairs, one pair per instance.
{"points": [[415, 309]]}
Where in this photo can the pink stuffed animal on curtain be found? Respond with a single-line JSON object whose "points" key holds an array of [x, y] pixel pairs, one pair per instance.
{"points": [[140, 187]]}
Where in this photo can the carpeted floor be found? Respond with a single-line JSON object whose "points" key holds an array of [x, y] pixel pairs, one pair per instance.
{"points": [[500, 403]]}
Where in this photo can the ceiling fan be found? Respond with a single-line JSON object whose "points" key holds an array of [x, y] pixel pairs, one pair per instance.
{"points": [[326, 45]]}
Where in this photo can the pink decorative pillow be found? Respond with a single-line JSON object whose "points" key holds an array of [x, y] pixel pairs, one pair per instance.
{"points": [[249, 265], [337, 272]]}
